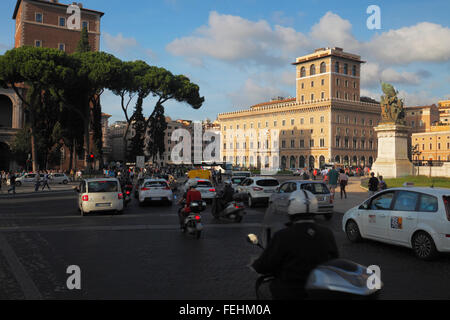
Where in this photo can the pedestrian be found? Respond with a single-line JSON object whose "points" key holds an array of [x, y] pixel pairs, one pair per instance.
{"points": [[37, 181], [315, 174], [45, 181], [343, 181], [373, 184], [382, 185], [12, 184], [333, 177]]}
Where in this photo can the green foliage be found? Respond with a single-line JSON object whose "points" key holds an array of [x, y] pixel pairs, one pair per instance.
{"points": [[419, 181], [137, 142], [157, 127], [83, 44]]}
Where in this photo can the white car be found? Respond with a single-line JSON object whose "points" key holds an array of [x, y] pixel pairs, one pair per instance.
{"points": [[418, 218], [103, 194], [236, 181], [155, 190], [205, 187], [28, 179], [258, 189], [59, 178]]}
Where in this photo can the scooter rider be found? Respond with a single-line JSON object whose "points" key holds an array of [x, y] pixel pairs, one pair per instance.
{"points": [[295, 251], [225, 197], [191, 195]]}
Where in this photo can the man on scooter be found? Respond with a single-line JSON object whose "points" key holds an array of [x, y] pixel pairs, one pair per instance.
{"points": [[226, 196], [295, 251], [191, 195]]}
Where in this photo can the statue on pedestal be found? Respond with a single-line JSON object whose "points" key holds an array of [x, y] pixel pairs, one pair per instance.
{"points": [[392, 110]]}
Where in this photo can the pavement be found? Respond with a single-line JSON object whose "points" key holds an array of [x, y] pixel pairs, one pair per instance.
{"points": [[143, 255], [29, 189]]}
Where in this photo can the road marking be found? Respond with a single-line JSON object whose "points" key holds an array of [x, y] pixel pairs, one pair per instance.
{"points": [[71, 228], [29, 288]]}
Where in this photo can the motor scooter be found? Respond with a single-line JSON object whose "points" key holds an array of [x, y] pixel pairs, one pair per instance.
{"points": [[192, 224], [335, 279], [232, 211]]}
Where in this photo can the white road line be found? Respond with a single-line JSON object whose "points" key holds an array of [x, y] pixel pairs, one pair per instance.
{"points": [[71, 228], [29, 288]]}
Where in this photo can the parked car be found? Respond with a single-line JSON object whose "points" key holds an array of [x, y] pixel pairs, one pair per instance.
{"points": [[27, 179], [280, 199], [99, 195], [417, 218], [258, 189], [59, 178], [155, 190]]}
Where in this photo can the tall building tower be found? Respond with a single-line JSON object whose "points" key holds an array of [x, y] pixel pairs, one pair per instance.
{"points": [[328, 73], [42, 23]]}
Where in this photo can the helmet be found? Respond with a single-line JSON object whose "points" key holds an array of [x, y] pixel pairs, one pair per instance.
{"points": [[228, 182], [302, 203], [192, 184]]}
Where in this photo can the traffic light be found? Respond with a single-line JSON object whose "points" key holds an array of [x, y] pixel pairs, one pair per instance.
{"points": [[90, 157]]}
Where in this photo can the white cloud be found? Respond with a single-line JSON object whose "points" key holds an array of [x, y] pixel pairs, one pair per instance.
{"points": [[372, 74], [280, 18], [237, 40], [125, 46], [253, 93]]}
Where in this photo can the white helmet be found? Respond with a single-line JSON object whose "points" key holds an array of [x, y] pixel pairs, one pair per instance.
{"points": [[302, 202], [192, 184]]}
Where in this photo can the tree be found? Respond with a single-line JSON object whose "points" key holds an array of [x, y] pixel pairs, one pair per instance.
{"points": [[83, 44], [157, 128], [137, 141]]}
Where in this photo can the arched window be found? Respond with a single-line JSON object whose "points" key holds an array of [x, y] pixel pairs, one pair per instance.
{"points": [[336, 67], [345, 68], [354, 71], [312, 70], [6, 111], [302, 72], [323, 67]]}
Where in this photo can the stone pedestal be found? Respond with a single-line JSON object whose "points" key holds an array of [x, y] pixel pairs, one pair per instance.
{"points": [[392, 160]]}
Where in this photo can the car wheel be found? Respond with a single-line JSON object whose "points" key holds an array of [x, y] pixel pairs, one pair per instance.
{"points": [[251, 202], [352, 231], [18, 184], [423, 246], [328, 216], [65, 182]]}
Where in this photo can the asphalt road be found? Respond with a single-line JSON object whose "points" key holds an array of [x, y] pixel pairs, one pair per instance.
{"points": [[143, 255]]}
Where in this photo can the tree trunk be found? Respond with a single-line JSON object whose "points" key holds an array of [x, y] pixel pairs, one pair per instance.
{"points": [[33, 151]]}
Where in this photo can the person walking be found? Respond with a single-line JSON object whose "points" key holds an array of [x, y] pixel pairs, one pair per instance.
{"points": [[12, 184], [373, 184], [37, 181], [343, 181], [45, 182], [382, 185], [333, 177]]}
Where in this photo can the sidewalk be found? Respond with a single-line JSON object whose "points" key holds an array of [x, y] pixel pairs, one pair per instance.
{"points": [[29, 189], [355, 195]]}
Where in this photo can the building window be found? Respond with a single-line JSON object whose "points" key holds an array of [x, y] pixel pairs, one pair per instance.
{"points": [[370, 122], [85, 24], [312, 84], [338, 82], [302, 72], [355, 143], [283, 123], [311, 120], [345, 68], [303, 98], [62, 22], [312, 70], [283, 144], [275, 123], [323, 82], [322, 143], [39, 17], [311, 143], [292, 143], [354, 71], [337, 94], [354, 84], [323, 68], [346, 83], [38, 43], [62, 47], [292, 122], [302, 121], [363, 122], [322, 119], [354, 97], [336, 67], [346, 142], [302, 143], [303, 86], [322, 95], [312, 96], [338, 142], [346, 96], [413, 124]]}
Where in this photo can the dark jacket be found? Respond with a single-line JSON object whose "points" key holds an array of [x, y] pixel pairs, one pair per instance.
{"points": [[292, 254], [373, 184]]}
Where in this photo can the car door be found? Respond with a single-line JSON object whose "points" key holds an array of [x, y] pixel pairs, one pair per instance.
{"points": [[404, 216], [281, 195], [376, 218], [284, 202]]}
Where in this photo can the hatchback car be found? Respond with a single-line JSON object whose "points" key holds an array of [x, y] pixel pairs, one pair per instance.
{"points": [[28, 179], [97, 195], [258, 189], [59, 178], [155, 190], [205, 187], [236, 181], [418, 218], [280, 199]]}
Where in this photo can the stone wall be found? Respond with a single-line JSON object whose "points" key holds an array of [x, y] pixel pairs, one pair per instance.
{"points": [[443, 171]]}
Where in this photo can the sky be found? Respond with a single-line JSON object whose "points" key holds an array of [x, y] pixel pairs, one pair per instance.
{"points": [[240, 52]]}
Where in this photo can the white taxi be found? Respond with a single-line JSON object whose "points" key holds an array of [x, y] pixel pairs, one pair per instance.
{"points": [[103, 194], [418, 218], [155, 190]]}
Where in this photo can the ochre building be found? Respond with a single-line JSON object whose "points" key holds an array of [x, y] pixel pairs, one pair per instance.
{"points": [[325, 123]]}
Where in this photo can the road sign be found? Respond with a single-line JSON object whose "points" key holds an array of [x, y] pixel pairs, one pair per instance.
{"points": [[140, 161]]}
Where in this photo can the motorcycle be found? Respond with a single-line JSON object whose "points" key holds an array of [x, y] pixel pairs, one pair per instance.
{"points": [[193, 222], [335, 279], [232, 211], [128, 188]]}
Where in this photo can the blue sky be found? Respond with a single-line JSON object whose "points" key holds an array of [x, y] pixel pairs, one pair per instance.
{"points": [[239, 52]]}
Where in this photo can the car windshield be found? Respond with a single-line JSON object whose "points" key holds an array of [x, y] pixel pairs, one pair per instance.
{"points": [[102, 186], [204, 184], [237, 180], [155, 184], [316, 188], [267, 183]]}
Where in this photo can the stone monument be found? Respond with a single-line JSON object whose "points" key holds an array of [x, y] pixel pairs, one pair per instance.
{"points": [[392, 160]]}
